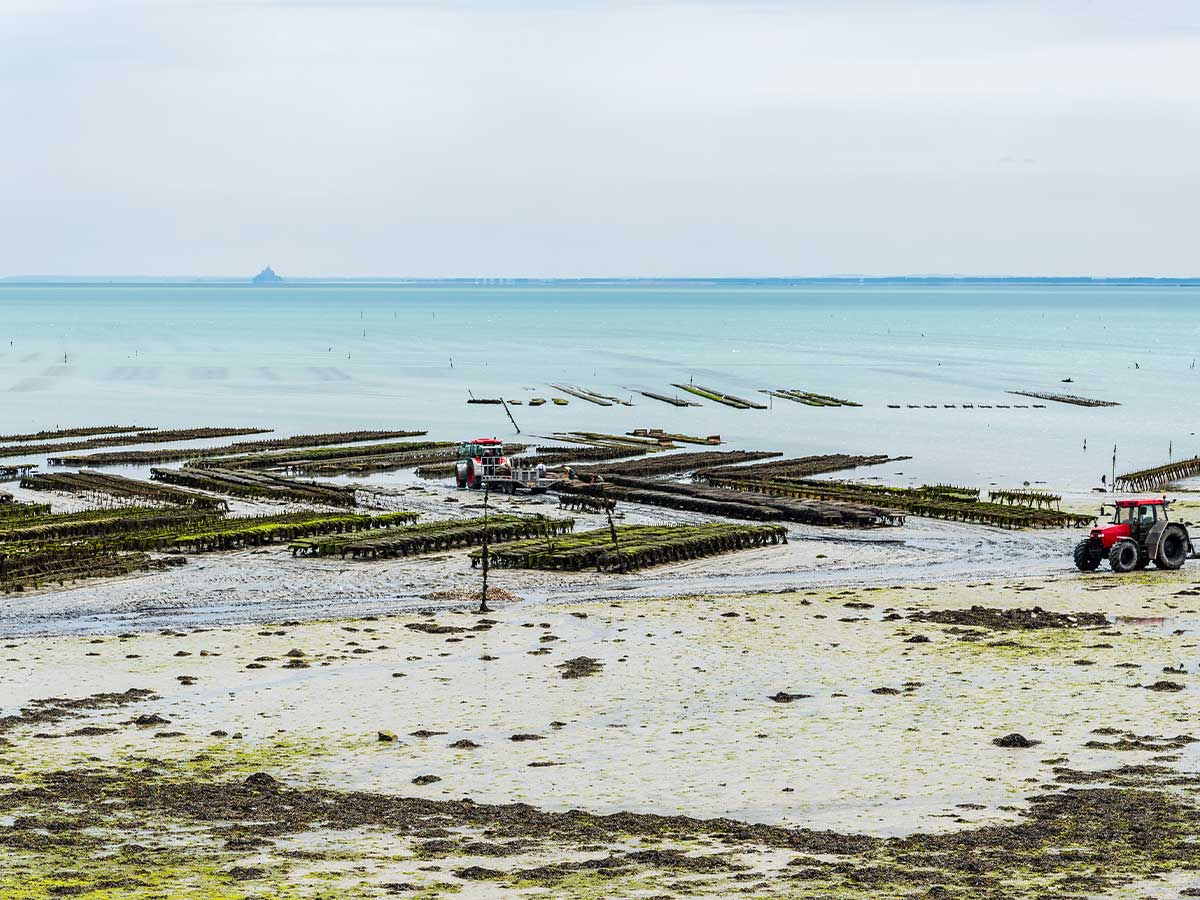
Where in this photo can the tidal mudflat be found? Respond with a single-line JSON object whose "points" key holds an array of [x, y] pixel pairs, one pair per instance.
{"points": [[1014, 738], [265, 673]]}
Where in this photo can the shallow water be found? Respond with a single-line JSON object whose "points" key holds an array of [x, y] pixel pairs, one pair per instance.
{"points": [[321, 357]]}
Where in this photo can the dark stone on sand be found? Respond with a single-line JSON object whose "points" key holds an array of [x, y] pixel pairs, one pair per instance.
{"points": [[479, 873], [885, 690], [785, 697], [1165, 686], [917, 639], [426, 779], [1015, 740], [464, 744], [527, 737], [261, 781], [151, 719], [424, 733], [245, 873], [433, 628]]}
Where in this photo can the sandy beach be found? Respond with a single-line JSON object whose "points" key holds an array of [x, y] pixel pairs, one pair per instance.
{"points": [[788, 743]]}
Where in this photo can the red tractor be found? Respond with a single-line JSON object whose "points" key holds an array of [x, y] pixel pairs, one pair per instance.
{"points": [[479, 459], [482, 464], [1138, 534]]}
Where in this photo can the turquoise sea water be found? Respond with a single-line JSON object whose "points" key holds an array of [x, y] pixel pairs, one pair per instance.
{"points": [[325, 357]]}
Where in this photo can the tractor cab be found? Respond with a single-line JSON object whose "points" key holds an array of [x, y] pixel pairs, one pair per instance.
{"points": [[1130, 518], [481, 448], [1140, 532]]}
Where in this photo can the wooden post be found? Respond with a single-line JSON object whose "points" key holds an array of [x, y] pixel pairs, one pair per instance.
{"points": [[510, 415], [612, 529], [483, 607]]}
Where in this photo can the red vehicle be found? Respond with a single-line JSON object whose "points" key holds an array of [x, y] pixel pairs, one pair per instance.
{"points": [[1140, 533], [477, 460], [482, 462]]}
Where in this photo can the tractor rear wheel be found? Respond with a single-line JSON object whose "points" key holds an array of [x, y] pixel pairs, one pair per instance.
{"points": [[1172, 549], [1123, 557], [1085, 560]]}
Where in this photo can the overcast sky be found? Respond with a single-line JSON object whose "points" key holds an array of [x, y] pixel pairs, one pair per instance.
{"points": [[599, 138]]}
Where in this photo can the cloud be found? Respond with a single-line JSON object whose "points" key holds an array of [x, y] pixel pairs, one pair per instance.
{"points": [[596, 137]]}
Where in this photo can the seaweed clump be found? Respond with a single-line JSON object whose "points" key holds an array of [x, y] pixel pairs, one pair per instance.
{"points": [[580, 667], [994, 619]]}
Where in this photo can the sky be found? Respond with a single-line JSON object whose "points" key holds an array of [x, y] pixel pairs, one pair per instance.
{"points": [[576, 138]]}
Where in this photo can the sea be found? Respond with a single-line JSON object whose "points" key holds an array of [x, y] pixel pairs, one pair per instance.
{"points": [[308, 357]]}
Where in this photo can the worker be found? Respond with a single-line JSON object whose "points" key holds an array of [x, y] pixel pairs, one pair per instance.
{"points": [[541, 471]]}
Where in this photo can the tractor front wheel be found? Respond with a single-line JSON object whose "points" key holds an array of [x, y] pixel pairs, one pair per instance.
{"points": [[1085, 559], [1172, 549], [1123, 557]]}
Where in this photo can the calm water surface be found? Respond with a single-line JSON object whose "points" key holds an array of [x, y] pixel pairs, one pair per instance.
{"points": [[325, 357]]}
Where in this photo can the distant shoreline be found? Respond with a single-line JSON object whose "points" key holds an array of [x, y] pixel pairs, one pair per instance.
{"points": [[919, 280]]}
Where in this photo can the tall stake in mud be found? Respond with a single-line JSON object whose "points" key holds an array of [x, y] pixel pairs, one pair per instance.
{"points": [[510, 415], [483, 607], [612, 529]]}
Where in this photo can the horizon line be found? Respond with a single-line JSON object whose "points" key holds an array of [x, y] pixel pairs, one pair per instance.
{"points": [[588, 279]]}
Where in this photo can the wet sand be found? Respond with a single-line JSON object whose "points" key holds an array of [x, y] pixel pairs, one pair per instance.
{"points": [[862, 736], [268, 584]]}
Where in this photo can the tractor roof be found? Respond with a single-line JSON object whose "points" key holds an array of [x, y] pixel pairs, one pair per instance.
{"points": [[487, 441], [1151, 502]]}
